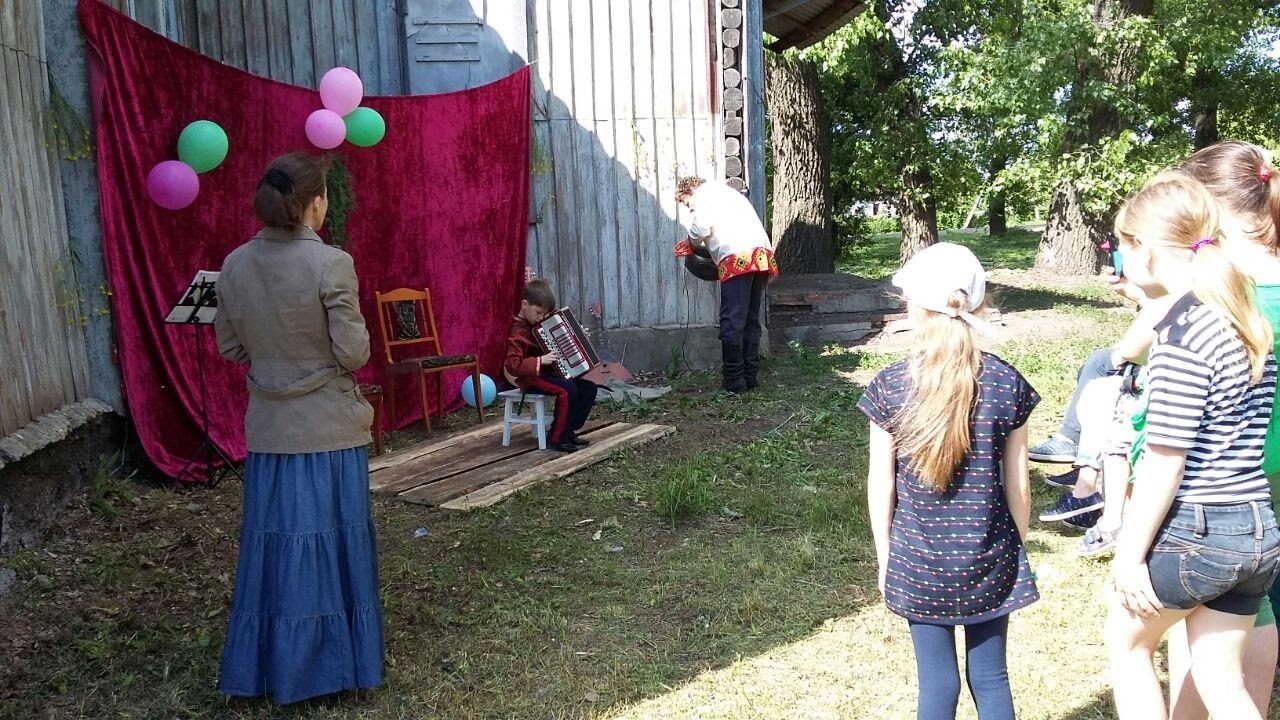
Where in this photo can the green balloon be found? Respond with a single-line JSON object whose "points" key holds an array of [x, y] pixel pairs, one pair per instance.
{"points": [[365, 127], [202, 145]]}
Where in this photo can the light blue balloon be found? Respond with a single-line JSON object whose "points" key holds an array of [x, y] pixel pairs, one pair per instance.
{"points": [[488, 391]]}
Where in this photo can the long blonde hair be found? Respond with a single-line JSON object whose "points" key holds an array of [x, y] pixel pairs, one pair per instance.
{"points": [[933, 427], [1173, 211]]}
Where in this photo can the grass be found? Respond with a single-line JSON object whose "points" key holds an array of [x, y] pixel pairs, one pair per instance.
{"points": [[733, 576], [877, 257]]}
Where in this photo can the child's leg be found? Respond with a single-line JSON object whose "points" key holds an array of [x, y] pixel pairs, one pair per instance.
{"points": [[1115, 491], [1096, 409], [937, 671], [985, 667], [1260, 656], [560, 389], [1259, 672], [584, 399], [1097, 365], [1218, 642], [1184, 700], [1131, 643]]}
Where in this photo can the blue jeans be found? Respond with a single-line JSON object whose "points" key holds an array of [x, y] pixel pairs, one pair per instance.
{"points": [[939, 673], [1224, 557], [1097, 365]]}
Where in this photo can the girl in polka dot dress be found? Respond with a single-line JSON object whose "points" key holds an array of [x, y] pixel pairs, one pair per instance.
{"points": [[947, 486]]}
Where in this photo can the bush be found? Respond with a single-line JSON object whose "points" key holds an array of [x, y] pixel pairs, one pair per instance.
{"points": [[882, 224]]}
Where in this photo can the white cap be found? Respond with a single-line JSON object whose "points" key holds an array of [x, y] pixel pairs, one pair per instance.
{"points": [[933, 274]]}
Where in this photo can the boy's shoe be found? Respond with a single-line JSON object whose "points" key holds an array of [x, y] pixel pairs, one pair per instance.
{"points": [[1065, 480], [1097, 542], [564, 446], [1057, 449], [1085, 521], [1070, 506], [577, 441]]}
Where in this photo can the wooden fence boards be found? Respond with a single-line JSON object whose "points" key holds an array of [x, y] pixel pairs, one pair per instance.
{"points": [[41, 338]]}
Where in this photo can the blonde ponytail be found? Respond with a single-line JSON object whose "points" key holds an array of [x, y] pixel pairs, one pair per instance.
{"points": [[1174, 211], [934, 423], [1220, 284]]}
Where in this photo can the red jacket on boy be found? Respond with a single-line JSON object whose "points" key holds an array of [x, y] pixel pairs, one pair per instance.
{"points": [[523, 361]]}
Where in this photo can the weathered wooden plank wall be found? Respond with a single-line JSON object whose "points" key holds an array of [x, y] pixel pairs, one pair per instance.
{"points": [[42, 355], [622, 108], [294, 41]]}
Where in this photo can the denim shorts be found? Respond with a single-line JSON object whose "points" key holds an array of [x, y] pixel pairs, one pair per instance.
{"points": [[1224, 557]]}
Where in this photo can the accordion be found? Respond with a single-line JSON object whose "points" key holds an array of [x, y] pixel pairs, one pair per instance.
{"points": [[561, 334]]}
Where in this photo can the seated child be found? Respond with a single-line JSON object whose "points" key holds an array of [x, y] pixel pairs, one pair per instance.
{"points": [[1087, 505], [528, 368]]}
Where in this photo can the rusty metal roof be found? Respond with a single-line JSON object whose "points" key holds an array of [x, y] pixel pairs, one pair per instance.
{"points": [[801, 23]]}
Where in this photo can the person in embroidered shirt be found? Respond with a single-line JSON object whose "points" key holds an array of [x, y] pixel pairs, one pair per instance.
{"points": [[529, 369], [725, 225]]}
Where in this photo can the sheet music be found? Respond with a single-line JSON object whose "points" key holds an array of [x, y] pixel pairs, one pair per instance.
{"points": [[200, 298]]}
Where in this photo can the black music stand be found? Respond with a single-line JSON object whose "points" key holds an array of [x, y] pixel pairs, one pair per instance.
{"points": [[198, 307]]}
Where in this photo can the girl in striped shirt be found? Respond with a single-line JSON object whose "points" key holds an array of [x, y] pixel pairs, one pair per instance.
{"points": [[1199, 540], [1239, 176]]}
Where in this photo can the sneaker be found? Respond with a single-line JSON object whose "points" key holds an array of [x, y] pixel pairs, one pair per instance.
{"points": [[1056, 449], [1065, 480], [1097, 542], [1084, 521], [1069, 506]]}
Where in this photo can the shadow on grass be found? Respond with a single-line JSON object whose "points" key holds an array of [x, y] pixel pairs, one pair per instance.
{"points": [[1041, 298], [744, 532], [1100, 708]]}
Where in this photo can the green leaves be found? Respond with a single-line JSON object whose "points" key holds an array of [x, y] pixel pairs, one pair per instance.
{"points": [[964, 88]]}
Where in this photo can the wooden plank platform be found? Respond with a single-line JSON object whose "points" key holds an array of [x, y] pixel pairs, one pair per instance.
{"points": [[472, 469]]}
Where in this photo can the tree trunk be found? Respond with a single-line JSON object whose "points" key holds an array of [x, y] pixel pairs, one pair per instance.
{"points": [[1071, 236], [917, 208], [997, 223], [919, 214], [1069, 244], [1204, 107], [800, 137]]}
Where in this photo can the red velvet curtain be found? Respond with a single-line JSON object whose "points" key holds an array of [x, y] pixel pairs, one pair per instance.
{"points": [[441, 202]]}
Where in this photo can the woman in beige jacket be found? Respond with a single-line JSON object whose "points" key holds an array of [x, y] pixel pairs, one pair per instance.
{"points": [[306, 619]]}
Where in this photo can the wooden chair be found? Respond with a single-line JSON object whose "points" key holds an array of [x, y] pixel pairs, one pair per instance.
{"points": [[373, 395], [407, 320]]}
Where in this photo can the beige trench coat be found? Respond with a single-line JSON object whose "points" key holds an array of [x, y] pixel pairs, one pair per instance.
{"points": [[289, 306]]}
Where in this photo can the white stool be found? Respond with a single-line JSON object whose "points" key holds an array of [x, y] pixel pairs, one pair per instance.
{"points": [[538, 419]]}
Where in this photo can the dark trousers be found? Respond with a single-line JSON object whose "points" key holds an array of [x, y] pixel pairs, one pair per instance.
{"points": [[574, 400], [740, 299], [939, 674]]}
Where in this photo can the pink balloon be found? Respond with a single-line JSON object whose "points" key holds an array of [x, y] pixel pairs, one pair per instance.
{"points": [[325, 129], [341, 90], [173, 184]]}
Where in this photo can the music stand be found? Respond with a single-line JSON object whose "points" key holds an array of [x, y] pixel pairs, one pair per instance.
{"points": [[197, 307]]}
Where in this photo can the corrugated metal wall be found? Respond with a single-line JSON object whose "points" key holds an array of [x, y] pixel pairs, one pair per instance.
{"points": [[624, 104], [42, 354]]}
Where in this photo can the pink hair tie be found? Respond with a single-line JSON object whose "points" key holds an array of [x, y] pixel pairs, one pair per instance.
{"points": [[1201, 243], [1265, 173]]}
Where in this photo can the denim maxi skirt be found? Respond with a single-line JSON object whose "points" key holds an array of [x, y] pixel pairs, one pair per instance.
{"points": [[306, 619]]}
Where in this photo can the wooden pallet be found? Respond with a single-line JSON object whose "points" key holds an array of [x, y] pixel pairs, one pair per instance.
{"points": [[472, 469]]}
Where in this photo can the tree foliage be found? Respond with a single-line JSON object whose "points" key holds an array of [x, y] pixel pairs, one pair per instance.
{"points": [[1016, 98]]}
